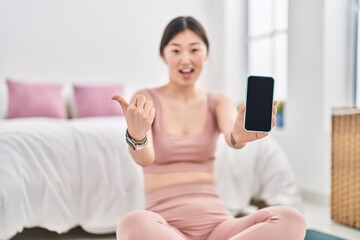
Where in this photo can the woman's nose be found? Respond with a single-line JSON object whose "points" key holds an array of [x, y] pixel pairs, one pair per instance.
{"points": [[185, 57]]}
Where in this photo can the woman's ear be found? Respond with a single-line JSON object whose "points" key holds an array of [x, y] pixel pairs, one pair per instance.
{"points": [[207, 54], [163, 58]]}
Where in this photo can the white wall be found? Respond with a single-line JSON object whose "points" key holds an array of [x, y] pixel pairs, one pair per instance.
{"points": [[235, 48], [304, 134], [89, 40]]}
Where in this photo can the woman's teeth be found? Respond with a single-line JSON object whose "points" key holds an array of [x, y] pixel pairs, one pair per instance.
{"points": [[186, 70]]}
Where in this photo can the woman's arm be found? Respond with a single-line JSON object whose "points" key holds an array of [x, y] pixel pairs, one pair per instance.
{"points": [[231, 122], [145, 156], [226, 115], [139, 114]]}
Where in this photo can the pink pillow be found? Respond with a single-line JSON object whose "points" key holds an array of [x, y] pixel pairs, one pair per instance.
{"points": [[34, 100], [94, 101]]}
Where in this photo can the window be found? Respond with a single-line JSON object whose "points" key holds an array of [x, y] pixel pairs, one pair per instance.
{"points": [[267, 42]]}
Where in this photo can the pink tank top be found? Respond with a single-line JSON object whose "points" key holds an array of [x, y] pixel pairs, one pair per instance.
{"points": [[175, 153]]}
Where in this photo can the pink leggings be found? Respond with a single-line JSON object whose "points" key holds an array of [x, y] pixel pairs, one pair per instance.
{"points": [[195, 212]]}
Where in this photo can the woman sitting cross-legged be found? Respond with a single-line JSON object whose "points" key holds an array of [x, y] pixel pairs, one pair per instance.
{"points": [[172, 133]]}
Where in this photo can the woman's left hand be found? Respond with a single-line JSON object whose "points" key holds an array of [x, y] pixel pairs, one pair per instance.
{"points": [[240, 135]]}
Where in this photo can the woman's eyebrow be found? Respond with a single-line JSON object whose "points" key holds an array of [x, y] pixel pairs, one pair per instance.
{"points": [[175, 44], [179, 45]]}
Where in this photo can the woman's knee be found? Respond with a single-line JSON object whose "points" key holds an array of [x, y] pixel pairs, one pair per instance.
{"points": [[290, 216], [294, 215], [130, 224]]}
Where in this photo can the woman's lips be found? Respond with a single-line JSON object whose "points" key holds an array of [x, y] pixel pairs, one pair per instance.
{"points": [[186, 73]]}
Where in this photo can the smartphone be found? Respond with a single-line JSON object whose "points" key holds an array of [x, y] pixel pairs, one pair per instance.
{"points": [[259, 103]]}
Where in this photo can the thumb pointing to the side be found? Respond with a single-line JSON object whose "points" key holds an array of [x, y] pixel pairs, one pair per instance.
{"points": [[124, 105]]}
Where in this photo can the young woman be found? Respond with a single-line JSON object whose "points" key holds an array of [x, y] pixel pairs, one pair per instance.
{"points": [[172, 133]]}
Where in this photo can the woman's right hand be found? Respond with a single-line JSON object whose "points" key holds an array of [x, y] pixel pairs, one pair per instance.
{"points": [[139, 115]]}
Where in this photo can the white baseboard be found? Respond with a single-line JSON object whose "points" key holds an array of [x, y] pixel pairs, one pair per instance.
{"points": [[315, 197]]}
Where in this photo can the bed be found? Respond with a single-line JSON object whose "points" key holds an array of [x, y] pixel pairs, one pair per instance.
{"points": [[61, 173]]}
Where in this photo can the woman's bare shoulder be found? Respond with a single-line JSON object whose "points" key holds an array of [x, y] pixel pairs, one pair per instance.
{"points": [[145, 92], [221, 99]]}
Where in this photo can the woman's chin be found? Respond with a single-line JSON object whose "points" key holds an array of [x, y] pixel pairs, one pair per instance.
{"points": [[187, 82], [184, 81]]}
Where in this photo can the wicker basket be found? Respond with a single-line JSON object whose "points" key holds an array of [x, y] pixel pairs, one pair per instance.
{"points": [[345, 169]]}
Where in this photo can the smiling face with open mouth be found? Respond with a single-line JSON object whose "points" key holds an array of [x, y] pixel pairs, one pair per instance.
{"points": [[185, 55]]}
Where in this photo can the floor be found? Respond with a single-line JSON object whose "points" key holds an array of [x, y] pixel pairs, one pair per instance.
{"points": [[317, 215]]}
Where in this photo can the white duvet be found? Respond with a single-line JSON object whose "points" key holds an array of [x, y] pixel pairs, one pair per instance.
{"points": [[58, 174]]}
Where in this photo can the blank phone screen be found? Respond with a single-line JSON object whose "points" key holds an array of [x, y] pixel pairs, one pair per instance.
{"points": [[259, 103]]}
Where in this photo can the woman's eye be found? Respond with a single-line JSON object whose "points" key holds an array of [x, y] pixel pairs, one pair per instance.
{"points": [[195, 50], [175, 51]]}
